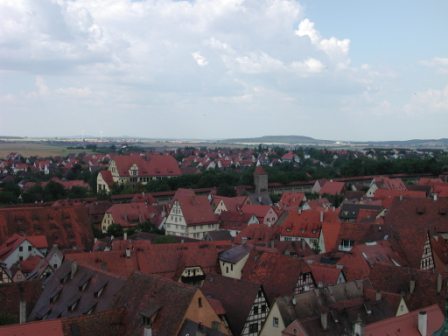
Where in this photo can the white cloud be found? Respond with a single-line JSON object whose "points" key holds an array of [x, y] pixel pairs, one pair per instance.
{"points": [[439, 63], [199, 59], [428, 101], [311, 65], [333, 47]]}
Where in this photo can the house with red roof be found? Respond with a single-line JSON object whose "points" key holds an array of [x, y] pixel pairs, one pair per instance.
{"points": [[424, 321], [138, 168], [290, 157], [291, 200], [130, 215], [332, 188], [305, 225], [222, 203], [18, 248], [190, 215], [279, 274], [234, 221], [265, 213], [245, 303], [383, 182]]}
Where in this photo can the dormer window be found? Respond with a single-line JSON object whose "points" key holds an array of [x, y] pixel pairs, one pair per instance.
{"points": [[100, 291]]}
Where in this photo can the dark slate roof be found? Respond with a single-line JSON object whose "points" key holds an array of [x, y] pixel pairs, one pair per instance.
{"points": [[92, 289], [262, 199], [218, 235], [344, 303], [234, 254], [236, 296], [350, 211]]}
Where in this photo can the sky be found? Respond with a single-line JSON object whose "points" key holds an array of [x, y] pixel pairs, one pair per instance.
{"points": [[213, 69]]}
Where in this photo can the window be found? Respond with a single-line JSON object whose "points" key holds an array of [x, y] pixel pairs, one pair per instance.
{"points": [[200, 302], [255, 310], [253, 328], [20, 248], [275, 322], [215, 325], [29, 248], [263, 308]]}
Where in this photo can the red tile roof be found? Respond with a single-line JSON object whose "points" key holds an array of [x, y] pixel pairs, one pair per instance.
{"points": [[259, 171], [195, 209], [306, 224], [107, 177], [291, 200], [40, 328], [277, 273], [67, 226], [332, 188], [231, 203], [256, 233], [149, 165], [406, 324], [131, 214]]}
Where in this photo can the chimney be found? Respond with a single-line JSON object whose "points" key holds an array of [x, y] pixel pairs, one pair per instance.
{"points": [[22, 306], [147, 331], [22, 311], [439, 282], [128, 252], [423, 323], [435, 197], [378, 296], [321, 216], [95, 240], [324, 320], [74, 268], [125, 235], [411, 286], [357, 327], [401, 197]]}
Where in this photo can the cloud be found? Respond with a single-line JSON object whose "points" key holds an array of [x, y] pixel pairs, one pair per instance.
{"points": [[439, 63], [429, 101], [311, 65], [199, 59], [335, 48]]}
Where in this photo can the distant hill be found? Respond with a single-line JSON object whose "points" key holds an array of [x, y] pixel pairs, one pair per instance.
{"points": [[279, 139], [305, 140]]}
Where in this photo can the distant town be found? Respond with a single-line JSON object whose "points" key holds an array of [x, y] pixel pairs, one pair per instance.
{"points": [[239, 237]]}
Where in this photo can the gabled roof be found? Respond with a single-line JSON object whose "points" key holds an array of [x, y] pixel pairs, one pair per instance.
{"points": [[256, 233], [291, 200], [407, 324], [325, 274], [16, 240], [73, 284], [231, 203], [332, 188], [195, 209], [157, 297], [234, 254], [306, 224], [410, 221], [107, 177], [397, 280], [236, 296], [67, 226], [259, 171], [260, 211], [131, 214], [148, 165], [277, 273]]}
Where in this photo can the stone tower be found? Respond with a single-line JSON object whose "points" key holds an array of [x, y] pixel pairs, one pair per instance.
{"points": [[260, 180]]}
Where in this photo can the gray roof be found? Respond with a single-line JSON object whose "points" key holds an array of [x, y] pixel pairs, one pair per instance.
{"points": [[218, 235], [234, 254]]}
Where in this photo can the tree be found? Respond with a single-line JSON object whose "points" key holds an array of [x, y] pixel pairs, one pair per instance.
{"points": [[115, 230]]}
